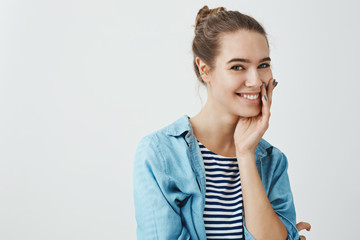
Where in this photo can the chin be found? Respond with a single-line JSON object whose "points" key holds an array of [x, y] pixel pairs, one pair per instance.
{"points": [[249, 113]]}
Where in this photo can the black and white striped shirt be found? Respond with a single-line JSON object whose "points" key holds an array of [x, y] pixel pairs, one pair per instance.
{"points": [[223, 200]]}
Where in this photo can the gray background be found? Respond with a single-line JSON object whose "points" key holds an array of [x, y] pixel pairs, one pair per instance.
{"points": [[82, 81]]}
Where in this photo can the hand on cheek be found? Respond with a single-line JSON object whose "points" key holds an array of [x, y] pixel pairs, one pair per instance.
{"points": [[266, 92]]}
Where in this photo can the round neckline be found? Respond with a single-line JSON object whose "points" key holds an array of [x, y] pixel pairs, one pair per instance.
{"points": [[214, 152]]}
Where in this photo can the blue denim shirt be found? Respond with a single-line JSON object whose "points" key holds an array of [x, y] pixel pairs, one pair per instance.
{"points": [[169, 184]]}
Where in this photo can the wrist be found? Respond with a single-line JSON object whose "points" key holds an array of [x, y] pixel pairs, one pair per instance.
{"points": [[245, 156]]}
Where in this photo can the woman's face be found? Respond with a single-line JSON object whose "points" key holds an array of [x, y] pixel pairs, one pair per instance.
{"points": [[242, 66]]}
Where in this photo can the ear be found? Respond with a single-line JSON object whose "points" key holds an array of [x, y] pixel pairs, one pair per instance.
{"points": [[203, 69]]}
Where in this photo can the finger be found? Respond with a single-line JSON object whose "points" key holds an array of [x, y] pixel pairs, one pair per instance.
{"points": [[302, 237], [271, 85], [265, 104], [303, 225]]}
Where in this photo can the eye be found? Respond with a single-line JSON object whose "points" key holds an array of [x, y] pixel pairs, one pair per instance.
{"points": [[237, 66], [266, 65]]}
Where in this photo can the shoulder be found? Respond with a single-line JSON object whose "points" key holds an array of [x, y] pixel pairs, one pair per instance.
{"points": [[158, 145], [158, 137], [172, 133]]}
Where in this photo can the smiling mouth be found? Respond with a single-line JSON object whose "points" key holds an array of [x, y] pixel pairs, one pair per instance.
{"points": [[248, 96]]}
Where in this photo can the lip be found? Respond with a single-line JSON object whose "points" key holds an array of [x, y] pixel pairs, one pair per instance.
{"points": [[251, 101]]}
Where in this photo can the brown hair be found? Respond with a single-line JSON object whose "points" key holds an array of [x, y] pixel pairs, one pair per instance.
{"points": [[210, 24]]}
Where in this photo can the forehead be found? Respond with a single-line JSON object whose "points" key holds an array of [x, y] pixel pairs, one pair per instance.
{"points": [[243, 44]]}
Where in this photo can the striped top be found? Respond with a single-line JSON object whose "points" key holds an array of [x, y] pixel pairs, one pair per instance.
{"points": [[223, 212]]}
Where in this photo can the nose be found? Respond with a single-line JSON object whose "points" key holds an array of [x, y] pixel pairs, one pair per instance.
{"points": [[253, 80]]}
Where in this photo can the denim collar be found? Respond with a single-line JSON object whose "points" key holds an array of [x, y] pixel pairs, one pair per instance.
{"points": [[182, 127]]}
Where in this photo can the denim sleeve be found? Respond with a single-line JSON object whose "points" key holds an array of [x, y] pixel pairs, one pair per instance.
{"points": [[281, 200], [156, 218]]}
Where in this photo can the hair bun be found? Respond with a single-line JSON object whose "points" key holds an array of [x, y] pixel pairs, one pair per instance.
{"points": [[205, 12]]}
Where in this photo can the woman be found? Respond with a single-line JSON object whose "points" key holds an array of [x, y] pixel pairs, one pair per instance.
{"points": [[213, 176]]}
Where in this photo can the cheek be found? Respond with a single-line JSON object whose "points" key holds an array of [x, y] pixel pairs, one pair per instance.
{"points": [[225, 84], [223, 92], [267, 74], [230, 88]]}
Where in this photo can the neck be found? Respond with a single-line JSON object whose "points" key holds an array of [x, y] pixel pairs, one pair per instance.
{"points": [[215, 129]]}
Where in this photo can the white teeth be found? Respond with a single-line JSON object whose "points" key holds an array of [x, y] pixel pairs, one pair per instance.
{"points": [[251, 96]]}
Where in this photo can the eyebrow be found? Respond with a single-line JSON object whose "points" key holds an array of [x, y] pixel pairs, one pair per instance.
{"points": [[247, 60]]}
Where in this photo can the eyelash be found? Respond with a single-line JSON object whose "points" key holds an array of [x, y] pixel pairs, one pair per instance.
{"points": [[267, 65]]}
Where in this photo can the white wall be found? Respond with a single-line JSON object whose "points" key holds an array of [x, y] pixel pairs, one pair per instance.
{"points": [[82, 81]]}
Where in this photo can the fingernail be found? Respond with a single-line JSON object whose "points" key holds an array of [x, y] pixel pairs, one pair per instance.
{"points": [[265, 85], [274, 82], [265, 98]]}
